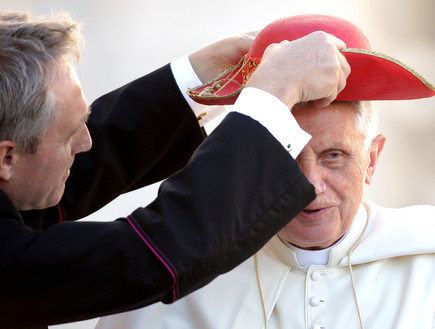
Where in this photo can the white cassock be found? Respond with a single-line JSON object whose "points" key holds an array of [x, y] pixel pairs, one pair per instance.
{"points": [[392, 267]]}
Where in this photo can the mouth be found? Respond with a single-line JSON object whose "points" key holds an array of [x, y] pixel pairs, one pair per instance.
{"points": [[315, 212], [312, 211]]}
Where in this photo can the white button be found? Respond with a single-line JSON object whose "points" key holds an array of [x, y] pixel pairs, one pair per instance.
{"points": [[317, 326], [315, 301], [316, 276]]}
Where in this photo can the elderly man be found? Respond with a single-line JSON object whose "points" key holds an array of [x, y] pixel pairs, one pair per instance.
{"points": [[208, 216], [343, 262]]}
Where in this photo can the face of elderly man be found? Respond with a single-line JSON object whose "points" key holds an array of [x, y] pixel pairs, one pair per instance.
{"points": [[338, 164]]}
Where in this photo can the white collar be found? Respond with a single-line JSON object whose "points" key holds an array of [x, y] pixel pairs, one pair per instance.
{"points": [[329, 257], [312, 257]]}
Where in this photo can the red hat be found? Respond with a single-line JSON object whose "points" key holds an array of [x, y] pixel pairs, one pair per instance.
{"points": [[374, 76]]}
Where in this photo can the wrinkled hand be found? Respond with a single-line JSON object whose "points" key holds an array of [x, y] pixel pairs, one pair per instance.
{"points": [[212, 60], [308, 69]]}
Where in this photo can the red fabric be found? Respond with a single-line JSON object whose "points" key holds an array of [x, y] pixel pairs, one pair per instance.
{"points": [[296, 27], [373, 77]]}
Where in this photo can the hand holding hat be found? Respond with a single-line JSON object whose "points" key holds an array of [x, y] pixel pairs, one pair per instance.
{"points": [[310, 68], [373, 76], [211, 60]]}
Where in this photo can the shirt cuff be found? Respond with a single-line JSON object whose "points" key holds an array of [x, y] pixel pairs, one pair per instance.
{"points": [[185, 78], [275, 116]]}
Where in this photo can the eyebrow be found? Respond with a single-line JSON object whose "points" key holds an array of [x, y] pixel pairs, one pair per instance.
{"points": [[87, 115], [83, 121]]}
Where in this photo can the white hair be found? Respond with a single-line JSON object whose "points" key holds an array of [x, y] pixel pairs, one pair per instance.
{"points": [[366, 121], [30, 53]]}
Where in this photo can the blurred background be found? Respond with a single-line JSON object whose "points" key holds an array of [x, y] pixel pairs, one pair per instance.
{"points": [[127, 39]]}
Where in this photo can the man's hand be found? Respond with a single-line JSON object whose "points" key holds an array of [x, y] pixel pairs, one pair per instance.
{"points": [[212, 60], [308, 69]]}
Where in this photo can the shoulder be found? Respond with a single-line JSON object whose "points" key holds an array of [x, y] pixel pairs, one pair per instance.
{"points": [[198, 309], [418, 217], [394, 232]]}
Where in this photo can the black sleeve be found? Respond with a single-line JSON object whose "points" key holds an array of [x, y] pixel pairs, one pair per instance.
{"points": [[239, 188], [142, 133]]}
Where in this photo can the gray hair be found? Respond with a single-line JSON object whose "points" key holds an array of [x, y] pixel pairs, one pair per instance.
{"points": [[366, 121], [30, 53]]}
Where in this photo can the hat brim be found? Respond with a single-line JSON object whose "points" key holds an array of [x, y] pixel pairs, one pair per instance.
{"points": [[373, 76]]}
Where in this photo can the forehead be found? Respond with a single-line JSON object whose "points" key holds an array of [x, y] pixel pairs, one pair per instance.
{"points": [[66, 85], [71, 109], [67, 92], [337, 121]]}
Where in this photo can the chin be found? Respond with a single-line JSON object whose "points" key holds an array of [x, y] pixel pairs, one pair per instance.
{"points": [[53, 200]]}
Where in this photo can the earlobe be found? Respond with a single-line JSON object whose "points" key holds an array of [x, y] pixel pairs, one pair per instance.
{"points": [[8, 158], [375, 150], [369, 175]]}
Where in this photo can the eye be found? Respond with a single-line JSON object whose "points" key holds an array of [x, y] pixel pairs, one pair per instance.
{"points": [[333, 155], [333, 158]]}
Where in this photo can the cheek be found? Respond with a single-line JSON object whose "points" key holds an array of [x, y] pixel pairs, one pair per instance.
{"points": [[350, 185], [57, 163]]}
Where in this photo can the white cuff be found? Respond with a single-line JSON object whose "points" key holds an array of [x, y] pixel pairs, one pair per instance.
{"points": [[275, 116], [186, 77]]}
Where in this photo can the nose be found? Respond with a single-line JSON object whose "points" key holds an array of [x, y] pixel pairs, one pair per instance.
{"points": [[314, 175], [84, 141]]}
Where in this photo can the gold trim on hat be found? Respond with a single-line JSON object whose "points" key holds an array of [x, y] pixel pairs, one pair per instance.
{"points": [[246, 66], [393, 60]]}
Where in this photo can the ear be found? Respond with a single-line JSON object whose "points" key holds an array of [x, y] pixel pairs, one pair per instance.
{"points": [[8, 159], [375, 150]]}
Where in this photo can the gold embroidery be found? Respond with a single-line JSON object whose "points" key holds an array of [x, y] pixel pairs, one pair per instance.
{"points": [[201, 116], [393, 60], [210, 90]]}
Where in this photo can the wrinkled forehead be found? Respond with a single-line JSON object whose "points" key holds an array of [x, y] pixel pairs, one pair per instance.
{"points": [[337, 118]]}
